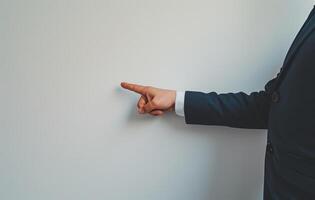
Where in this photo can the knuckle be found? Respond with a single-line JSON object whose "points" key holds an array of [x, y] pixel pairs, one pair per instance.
{"points": [[146, 90]]}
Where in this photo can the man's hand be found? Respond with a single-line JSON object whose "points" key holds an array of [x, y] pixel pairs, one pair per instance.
{"points": [[154, 101]]}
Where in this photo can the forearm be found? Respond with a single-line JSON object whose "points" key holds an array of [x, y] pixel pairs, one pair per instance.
{"points": [[227, 109]]}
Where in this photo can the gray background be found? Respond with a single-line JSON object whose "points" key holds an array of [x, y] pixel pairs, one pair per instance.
{"points": [[67, 131]]}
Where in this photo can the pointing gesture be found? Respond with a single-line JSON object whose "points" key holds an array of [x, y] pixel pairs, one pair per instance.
{"points": [[134, 87], [154, 101]]}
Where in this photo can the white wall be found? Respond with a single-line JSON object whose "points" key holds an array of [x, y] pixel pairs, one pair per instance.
{"points": [[67, 131]]}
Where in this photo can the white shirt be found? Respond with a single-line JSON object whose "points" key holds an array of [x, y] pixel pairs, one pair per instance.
{"points": [[179, 103]]}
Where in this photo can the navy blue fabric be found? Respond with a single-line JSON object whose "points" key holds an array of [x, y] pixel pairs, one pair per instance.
{"points": [[286, 107]]}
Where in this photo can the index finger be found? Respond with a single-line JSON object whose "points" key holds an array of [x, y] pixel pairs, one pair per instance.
{"points": [[133, 87]]}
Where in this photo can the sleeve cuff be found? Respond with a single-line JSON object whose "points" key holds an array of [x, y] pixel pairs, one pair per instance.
{"points": [[179, 103]]}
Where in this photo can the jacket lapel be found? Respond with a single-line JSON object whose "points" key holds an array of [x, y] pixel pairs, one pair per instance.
{"points": [[302, 36]]}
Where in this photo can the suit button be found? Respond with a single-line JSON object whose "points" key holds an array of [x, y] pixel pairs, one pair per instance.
{"points": [[275, 97], [269, 147]]}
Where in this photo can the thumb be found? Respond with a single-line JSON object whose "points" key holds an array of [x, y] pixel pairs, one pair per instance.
{"points": [[148, 107]]}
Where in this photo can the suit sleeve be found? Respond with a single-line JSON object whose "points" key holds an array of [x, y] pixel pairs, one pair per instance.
{"points": [[239, 110]]}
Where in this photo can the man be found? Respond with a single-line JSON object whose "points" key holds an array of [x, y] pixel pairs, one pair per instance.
{"points": [[286, 107]]}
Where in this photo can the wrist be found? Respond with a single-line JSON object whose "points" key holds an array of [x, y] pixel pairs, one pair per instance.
{"points": [[172, 100]]}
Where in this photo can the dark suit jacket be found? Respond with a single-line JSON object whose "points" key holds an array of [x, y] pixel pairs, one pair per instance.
{"points": [[286, 107]]}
